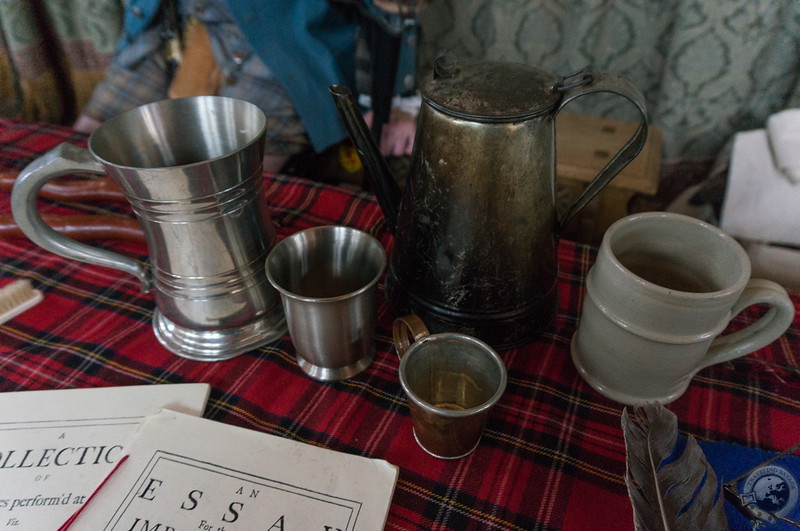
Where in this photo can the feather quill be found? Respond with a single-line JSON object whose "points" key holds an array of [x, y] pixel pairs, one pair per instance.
{"points": [[672, 487]]}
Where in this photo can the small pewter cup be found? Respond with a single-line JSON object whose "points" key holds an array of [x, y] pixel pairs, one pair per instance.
{"points": [[327, 277], [451, 381]]}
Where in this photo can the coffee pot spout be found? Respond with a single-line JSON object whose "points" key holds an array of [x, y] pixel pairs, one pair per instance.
{"points": [[380, 176]]}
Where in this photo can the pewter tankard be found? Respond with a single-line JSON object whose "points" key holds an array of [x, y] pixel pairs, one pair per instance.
{"points": [[476, 227], [192, 170]]}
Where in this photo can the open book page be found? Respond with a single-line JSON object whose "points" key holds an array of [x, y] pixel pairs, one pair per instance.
{"points": [[57, 445], [183, 472]]}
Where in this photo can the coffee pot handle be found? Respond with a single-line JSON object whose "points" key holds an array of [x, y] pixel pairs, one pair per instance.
{"points": [[759, 334], [587, 82], [63, 160]]}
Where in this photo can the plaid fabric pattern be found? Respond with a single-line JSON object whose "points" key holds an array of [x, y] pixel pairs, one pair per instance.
{"points": [[138, 75], [552, 456]]}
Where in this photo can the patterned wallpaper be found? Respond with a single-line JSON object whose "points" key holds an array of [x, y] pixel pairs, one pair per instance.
{"points": [[707, 68]]}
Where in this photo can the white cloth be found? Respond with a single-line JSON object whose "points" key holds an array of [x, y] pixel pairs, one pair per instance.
{"points": [[783, 129], [760, 203], [408, 104]]}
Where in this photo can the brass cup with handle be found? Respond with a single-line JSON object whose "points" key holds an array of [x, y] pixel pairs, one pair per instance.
{"points": [[451, 382]]}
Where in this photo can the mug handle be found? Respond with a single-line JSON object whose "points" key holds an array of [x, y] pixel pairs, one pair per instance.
{"points": [[586, 82], [759, 334], [403, 327], [62, 160]]}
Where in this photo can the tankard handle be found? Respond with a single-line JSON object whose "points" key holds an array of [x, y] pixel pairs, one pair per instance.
{"points": [[63, 160], [589, 82]]}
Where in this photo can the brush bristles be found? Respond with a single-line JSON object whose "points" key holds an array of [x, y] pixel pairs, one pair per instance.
{"points": [[16, 298]]}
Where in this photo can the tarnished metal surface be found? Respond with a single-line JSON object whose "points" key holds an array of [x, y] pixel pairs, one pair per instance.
{"points": [[476, 232], [478, 221], [492, 90]]}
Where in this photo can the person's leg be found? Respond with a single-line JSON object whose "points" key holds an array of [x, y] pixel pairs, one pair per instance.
{"points": [[138, 75], [246, 77], [286, 135]]}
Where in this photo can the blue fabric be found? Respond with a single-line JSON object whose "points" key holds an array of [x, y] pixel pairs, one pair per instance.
{"points": [[138, 15], [308, 46], [774, 487]]}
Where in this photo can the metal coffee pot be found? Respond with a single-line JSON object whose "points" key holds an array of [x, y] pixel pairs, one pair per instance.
{"points": [[192, 170], [476, 227]]}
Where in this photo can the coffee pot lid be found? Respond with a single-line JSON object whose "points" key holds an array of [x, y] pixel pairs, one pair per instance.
{"points": [[490, 90]]}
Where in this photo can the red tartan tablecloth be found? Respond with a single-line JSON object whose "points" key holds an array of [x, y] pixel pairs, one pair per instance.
{"points": [[552, 456]]}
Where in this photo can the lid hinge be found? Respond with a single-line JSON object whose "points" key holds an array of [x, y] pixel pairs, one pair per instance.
{"points": [[584, 76]]}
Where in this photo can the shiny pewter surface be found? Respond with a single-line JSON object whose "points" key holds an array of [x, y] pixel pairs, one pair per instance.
{"points": [[328, 277], [191, 168], [476, 227]]}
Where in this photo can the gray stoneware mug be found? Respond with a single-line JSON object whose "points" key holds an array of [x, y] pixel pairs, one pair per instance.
{"points": [[660, 295], [192, 169]]}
